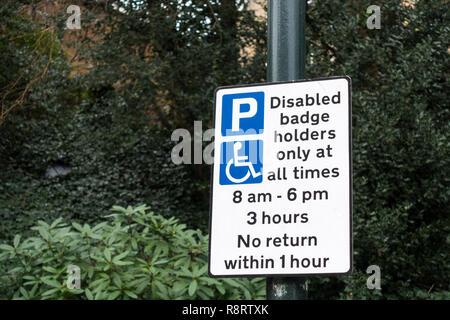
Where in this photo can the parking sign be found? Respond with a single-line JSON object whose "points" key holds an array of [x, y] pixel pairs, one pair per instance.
{"points": [[281, 179]]}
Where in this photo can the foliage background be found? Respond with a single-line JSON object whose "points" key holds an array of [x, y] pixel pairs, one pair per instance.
{"points": [[137, 255], [108, 113]]}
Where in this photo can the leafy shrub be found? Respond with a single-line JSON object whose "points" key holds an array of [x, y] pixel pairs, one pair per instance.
{"points": [[138, 255], [400, 142], [112, 163]]}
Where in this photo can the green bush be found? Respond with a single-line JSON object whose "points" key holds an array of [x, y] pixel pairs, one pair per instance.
{"points": [[112, 163], [400, 142], [137, 255]]}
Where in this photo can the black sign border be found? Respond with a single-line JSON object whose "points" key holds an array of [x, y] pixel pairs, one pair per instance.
{"points": [[282, 275]]}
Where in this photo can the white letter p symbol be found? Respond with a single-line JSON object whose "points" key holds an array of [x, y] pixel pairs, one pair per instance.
{"points": [[238, 115]]}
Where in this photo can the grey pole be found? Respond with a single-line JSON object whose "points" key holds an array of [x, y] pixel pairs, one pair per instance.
{"points": [[286, 37], [286, 61]]}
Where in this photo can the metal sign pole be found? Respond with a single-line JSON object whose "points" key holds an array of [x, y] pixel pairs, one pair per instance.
{"points": [[286, 61]]}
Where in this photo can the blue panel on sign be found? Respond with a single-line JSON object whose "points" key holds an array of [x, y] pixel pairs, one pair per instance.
{"points": [[242, 113], [241, 162]]}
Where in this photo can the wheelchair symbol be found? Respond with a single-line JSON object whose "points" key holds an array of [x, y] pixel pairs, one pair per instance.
{"points": [[240, 161]]}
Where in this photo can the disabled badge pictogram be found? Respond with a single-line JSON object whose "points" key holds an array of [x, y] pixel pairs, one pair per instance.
{"points": [[241, 160]]}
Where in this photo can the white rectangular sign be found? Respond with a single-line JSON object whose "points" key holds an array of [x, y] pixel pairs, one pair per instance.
{"points": [[281, 194]]}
